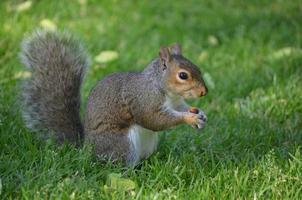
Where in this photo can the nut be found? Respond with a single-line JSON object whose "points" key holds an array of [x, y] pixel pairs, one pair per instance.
{"points": [[194, 110]]}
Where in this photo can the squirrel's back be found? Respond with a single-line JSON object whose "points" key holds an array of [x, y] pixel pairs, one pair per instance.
{"points": [[51, 96]]}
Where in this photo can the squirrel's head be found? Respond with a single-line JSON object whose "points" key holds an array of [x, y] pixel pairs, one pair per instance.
{"points": [[181, 76]]}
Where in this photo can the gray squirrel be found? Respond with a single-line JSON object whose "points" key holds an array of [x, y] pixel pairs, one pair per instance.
{"points": [[124, 110]]}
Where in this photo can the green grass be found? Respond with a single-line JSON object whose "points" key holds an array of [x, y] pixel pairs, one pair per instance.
{"points": [[251, 52]]}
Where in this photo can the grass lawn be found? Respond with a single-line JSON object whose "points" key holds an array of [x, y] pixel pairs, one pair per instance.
{"points": [[251, 56]]}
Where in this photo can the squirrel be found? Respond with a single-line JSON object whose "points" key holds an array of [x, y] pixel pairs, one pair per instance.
{"points": [[124, 110]]}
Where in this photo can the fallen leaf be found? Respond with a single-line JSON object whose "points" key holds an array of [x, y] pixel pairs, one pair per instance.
{"points": [[22, 74], [203, 56], [23, 6], [209, 80], [106, 56], [48, 24], [116, 182], [82, 2], [284, 52], [18, 75], [212, 40]]}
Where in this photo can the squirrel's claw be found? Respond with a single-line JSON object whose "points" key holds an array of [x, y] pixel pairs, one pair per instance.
{"points": [[202, 118], [199, 125]]}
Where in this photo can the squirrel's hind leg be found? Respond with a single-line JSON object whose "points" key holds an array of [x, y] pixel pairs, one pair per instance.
{"points": [[129, 146], [111, 146]]}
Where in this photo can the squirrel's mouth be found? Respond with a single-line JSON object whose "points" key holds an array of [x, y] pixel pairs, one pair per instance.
{"points": [[195, 93], [190, 95]]}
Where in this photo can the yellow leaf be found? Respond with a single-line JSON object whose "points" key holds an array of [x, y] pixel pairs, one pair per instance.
{"points": [[22, 74], [18, 75], [23, 6], [203, 56], [106, 56], [209, 80], [116, 182], [82, 2], [48, 24], [284, 52], [212, 40]]}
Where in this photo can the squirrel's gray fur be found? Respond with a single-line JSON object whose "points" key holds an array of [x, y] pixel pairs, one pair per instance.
{"points": [[124, 110], [51, 96]]}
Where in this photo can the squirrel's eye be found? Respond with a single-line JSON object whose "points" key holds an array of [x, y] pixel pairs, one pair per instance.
{"points": [[183, 75]]}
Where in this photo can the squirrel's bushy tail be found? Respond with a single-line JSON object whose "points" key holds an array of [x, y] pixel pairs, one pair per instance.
{"points": [[51, 96]]}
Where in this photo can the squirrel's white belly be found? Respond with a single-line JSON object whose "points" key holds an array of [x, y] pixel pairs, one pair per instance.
{"points": [[143, 143]]}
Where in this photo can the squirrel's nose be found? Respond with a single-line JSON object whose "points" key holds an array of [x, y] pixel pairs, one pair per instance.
{"points": [[203, 91]]}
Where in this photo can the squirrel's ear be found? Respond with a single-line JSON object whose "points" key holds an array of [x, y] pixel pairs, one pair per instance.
{"points": [[165, 56], [175, 49]]}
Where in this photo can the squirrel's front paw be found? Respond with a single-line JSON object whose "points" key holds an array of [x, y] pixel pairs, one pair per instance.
{"points": [[202, 118], [195, 120]]}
